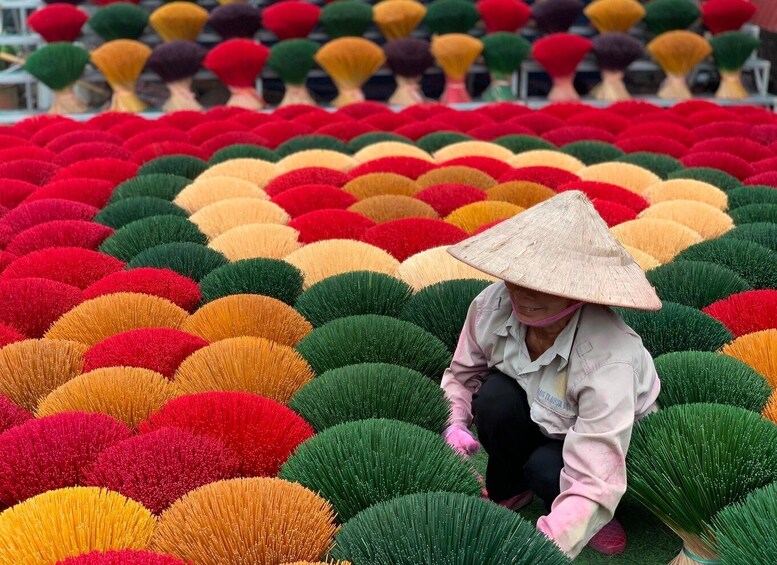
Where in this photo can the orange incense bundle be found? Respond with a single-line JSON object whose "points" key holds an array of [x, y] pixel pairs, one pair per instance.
{"points": [[455, 53], [178, 20], [560, 54], [503, 15], [350, 62], [398, 18], [237, 63], [678, 52], [293, 19], [121, 61], [614, 15], [57, 22]]}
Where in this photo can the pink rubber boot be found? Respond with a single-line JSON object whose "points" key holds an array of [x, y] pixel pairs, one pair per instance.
{"points": [[518, 501], [610, 540]]}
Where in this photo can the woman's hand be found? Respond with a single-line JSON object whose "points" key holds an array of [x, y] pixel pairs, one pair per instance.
{"points": [[460, 439]]}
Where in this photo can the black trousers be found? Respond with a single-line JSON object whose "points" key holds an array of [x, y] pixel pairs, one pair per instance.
{"points": [[520, 457]]}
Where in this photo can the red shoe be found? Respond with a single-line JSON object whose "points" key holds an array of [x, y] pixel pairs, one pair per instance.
{"points": [[518, 501], [610, 540]]}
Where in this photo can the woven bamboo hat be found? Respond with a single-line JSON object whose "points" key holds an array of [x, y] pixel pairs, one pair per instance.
{"points": [[561, 247]]}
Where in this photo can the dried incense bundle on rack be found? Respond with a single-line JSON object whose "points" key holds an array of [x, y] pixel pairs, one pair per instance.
{"points": [[350, 62], [398, 18], [236, 20], [58, 66], [614, 15], [408, 58], [503, 15], [726, 15], [669, 15], [57, 22], [121, 61], [731, 49], [455, 53], [293, 59], [351, 18], [678, 52], [615, 51], [503, 53], [292, 19], [238, 63], [179, 20], [560, 54], [120, 20], [451, 16], [556, 16], [176, 63]]}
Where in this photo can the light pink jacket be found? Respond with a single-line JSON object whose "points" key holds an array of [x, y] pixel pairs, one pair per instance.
{"points": [[588, 389]]}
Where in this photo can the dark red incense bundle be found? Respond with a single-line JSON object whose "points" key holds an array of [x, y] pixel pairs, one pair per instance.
{"points": [[237, 63], [176, 62], [57, 22], [293, 19], [236, 20], [503, 15], [560, 54], [615, 52], [408, 58], [726, 15], [556, 16]]}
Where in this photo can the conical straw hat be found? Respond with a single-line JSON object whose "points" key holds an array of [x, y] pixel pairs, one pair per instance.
{"points": [[561, 247]]}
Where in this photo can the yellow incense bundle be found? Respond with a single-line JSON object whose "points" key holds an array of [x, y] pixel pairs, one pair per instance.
{"points": [[455, 53], [178, 20], [350, 62], [398, 18], [614, 15], [678, 52], [121, 61]]}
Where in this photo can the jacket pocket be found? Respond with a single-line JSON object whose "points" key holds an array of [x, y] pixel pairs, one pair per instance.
{"points": [[556, 420]]}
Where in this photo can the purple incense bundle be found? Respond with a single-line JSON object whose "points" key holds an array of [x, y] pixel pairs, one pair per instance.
{"points": [[236, 20], [408, 58], [615, 52], [556, 16], [176, 62]]}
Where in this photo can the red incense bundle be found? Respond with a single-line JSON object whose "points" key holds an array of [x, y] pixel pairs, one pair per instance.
{"points": [[237, 63], [293, 19], [57, 22], [726, 15], [503, 15], [560, 54]]}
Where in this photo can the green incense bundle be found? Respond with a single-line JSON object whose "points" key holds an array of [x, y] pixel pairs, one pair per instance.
{"points": [[451, 16], [346, 18], [58, 66], [689, 461], [730, 50], [293, 59], [747, 531], [503, 52], [668, 15], [120, 20]]}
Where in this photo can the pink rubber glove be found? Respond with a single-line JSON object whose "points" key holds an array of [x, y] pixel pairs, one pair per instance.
{"points": [[460, 439]]}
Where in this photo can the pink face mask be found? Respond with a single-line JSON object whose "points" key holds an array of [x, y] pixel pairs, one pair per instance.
{"points": [[550, 319]]}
